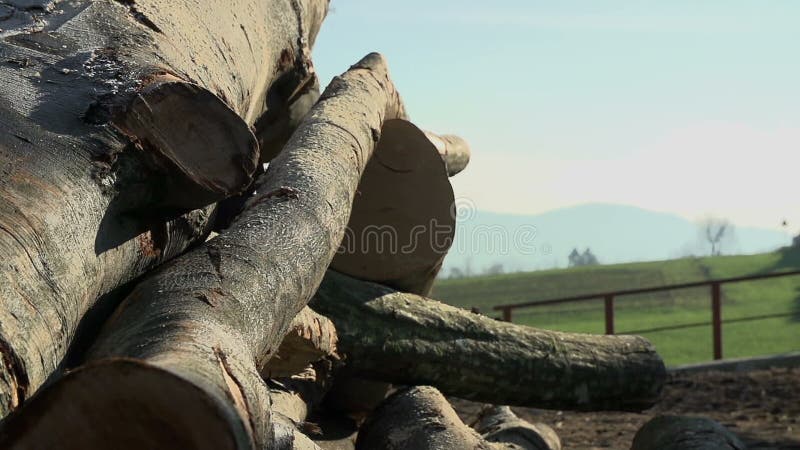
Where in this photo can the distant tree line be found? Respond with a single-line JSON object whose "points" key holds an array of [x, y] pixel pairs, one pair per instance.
{"points": [[466, 272], [578, 259]]}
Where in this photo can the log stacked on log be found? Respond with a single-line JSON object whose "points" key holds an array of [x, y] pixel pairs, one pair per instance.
{"points": [[681, 433], [96, 173], [166, 109], [407, 339], [500, 424], [421, 418]]}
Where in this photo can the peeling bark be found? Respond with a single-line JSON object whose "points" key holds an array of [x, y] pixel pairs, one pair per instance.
{"points": [[264, 268], [407, 339], [311, 337], [89, 176]]}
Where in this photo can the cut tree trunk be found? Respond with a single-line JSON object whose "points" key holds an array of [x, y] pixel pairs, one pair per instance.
{"points": [[685, 433], [500, 424], [420, 418], [407, 339], [403, 222], [454, 151], [115, 117], [399, 232], [183, 350]]}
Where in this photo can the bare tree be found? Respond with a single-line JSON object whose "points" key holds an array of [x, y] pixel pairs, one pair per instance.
{"points": [[716, 231]]}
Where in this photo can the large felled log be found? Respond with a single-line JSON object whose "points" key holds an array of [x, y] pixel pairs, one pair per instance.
{"points": [[420, 418], [407, 339], [685, 433], [112, 114], [403, 221], [500, 424], [183, 350], [401, 226]]}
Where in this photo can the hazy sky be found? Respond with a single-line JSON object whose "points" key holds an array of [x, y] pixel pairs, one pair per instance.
{"points": [[684, 106]]}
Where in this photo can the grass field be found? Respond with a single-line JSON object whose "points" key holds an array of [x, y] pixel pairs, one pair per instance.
{"points": [[740, 300]]}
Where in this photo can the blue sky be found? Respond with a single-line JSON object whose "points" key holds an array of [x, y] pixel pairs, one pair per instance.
{"points": [[691, 107]]}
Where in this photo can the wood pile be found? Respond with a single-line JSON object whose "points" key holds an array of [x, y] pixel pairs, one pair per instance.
{"points": [[132, 131]]}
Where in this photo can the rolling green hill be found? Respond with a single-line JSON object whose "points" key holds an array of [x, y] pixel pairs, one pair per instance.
{"points": [[740, 301]]}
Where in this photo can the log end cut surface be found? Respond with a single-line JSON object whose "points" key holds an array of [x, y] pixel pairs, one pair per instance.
{"points": [[120, 404], [185, 127], [403, 221]]}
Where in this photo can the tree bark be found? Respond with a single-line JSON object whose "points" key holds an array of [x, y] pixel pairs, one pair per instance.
{"points": [[403, 222], [205, 323], [685, 433], [500, 424], [454, 151], [90, 177], [311, 337], [407, 339], [420, 418]]}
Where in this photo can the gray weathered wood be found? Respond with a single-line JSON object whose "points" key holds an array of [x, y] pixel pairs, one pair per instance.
{"points": [[685, 433], [88, 174], [500, 424], [207, 321], [420, 418], [407, 339]]}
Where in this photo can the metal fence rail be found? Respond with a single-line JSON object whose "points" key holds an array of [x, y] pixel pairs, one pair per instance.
{"points": [[608, 299]]}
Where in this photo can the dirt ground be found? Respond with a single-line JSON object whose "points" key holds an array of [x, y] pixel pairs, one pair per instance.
{"points": [[761, 407]]}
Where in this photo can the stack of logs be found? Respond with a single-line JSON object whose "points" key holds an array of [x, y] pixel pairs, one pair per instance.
{"points": [[132, 130]]}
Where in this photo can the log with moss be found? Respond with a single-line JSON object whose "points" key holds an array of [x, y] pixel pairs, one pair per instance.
{"points": [[407, 339]]}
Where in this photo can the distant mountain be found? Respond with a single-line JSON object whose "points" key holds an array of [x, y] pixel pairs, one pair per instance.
{"points": [[615, 234]]}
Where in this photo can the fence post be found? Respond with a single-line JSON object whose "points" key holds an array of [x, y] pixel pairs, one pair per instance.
{"points": [[609, 299], [506, 314], [716, 319]]}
